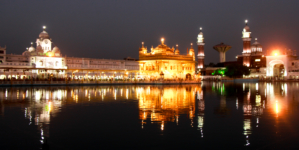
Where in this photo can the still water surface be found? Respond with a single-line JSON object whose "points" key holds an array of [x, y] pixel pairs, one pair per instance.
{"points": [[207, 116]]}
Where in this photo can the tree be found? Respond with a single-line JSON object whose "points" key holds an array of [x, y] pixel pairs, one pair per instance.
{"points": [[236, 70], [219, 72]]}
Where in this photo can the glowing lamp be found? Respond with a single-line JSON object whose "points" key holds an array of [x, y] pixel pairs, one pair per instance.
{"points": [[162, 40], [246, 21], [44, 27], [275, 54]]}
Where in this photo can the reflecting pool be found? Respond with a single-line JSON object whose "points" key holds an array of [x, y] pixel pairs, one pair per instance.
{"points": [[211, 115]]}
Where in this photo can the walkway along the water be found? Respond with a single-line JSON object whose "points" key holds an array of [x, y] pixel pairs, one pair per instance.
{"points": [[58, 83]]}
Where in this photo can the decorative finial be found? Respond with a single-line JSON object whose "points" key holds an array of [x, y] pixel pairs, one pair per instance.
{"points": [[26, 48], [177, 45], [44, 27], [31, 43], [256, 39], [142, 44], [191, 44], [246, 21], [162, 41], [200, 28]]}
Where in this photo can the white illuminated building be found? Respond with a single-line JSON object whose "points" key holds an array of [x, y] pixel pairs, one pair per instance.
{"points": [[284, 65], [44, 61]]}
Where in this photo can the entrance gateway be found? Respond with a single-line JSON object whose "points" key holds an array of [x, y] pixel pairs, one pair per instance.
{"points": [[278, 66]]}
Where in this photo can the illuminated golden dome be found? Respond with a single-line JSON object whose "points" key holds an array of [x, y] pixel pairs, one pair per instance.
{"points": [[177, 52]]}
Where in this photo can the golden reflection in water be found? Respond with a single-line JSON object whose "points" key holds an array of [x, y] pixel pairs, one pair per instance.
{"points": [[276, 108], [160, 104], [163, 104]]}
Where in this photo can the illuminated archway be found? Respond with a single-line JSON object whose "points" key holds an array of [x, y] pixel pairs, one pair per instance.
{"points": [[276, 68], [188, 76]]}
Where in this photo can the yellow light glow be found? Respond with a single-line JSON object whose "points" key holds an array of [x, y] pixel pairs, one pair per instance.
{"points": [[275, 54], [162, 40], [50, 107], [277, 108]]}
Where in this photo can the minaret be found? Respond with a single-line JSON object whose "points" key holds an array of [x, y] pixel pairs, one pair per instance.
{"points": [[200, 46], [246, 45], [191, 52], [177, 52], [142, 50]]}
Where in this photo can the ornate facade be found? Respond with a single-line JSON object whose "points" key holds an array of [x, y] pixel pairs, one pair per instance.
{"points": [[165, 62]]}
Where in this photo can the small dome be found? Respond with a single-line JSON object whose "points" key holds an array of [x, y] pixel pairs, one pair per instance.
{"points": [[256, 44], [246, 28], [56, 50], [44, 35], [200, 31], [31, 49], [256, 47], [39, 49]]}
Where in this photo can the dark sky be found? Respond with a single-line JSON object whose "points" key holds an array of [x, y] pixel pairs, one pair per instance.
{"points": [[115, 28]]}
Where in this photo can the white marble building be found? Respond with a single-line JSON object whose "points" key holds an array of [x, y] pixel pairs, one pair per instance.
{"points": [[45, 61]]}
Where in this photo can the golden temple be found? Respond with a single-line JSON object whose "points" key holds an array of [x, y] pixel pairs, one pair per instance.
{"points": [[166, 63]]}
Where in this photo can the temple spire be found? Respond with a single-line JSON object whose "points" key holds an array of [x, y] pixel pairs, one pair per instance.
{"points": [[162, 41]]}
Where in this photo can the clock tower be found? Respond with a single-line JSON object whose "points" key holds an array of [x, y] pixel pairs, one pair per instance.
{"points": [[44, 41]]}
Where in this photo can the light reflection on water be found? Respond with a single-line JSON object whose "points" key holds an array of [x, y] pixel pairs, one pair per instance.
{"points": [[203, 105]]}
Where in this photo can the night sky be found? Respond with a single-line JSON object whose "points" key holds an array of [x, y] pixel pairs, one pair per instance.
{"points": [[114, 29]]}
